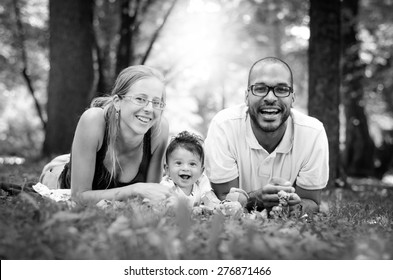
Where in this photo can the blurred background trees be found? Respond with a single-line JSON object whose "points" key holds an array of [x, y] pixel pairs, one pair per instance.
{"points": [[57, 55], [71, 74], [324, 73]]}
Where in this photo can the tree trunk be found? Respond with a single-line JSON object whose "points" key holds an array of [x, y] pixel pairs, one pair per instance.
{"points": [[107, 23], [277, 30], [359, 148], [324, 74], [71, 74], [125, 49]]}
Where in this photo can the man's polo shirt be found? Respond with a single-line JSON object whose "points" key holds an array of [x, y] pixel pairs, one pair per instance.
{"points": [[232, 151]]}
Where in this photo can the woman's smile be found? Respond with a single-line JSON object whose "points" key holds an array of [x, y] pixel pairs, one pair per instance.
{"points": [[144, 119]]}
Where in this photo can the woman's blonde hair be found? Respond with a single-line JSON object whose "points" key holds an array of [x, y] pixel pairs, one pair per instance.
{"points": [[125, 80]]}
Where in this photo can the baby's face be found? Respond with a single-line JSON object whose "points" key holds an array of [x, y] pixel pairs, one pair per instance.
{"points": [[184, 167]]}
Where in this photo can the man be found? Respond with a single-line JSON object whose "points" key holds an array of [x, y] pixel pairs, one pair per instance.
{"points": [[265, 146]]}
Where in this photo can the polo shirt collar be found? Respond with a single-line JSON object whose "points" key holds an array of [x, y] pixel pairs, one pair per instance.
{"points": [[285, 144]]}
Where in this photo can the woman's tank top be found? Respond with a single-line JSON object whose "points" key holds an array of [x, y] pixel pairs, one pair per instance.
{"points": [[101, 179]]}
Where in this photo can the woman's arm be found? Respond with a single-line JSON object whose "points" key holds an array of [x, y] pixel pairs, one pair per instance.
{"points": [[153, 192], [87, 141], [310, 199], [159, 144]]}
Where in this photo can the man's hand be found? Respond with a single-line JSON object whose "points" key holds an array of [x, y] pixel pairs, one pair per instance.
{"points": [[294, 199], [268, 194]]}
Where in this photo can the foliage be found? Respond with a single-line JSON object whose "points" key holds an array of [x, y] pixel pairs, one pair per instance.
{"points": [[34, 16], [376, 34], [20, 132], [351, 225], [20, 129]]}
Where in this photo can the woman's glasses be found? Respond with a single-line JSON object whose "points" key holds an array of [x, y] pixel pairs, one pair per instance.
{"points": [[141, 100]]}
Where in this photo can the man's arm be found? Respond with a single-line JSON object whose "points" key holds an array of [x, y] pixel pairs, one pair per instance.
{"points": [[310, 199], [221, 190], [314, 173]]}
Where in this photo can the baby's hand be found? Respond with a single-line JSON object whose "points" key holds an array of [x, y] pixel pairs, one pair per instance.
{"points": [[231, 208], [210, 200], [236, 194]]}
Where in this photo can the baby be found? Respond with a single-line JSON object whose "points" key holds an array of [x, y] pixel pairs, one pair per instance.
{"points": [[184, 173], [184, 169]]}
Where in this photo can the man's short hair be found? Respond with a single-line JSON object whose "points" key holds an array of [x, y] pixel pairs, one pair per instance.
{"points": [[269, 60]]}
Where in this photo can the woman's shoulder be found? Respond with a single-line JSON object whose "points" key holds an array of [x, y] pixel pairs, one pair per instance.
{"points": [[93, 113], [92, 124], [93, 117]]}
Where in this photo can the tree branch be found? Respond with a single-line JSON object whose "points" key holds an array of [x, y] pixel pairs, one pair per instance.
{"points": [[25, 72], [157, 32]]}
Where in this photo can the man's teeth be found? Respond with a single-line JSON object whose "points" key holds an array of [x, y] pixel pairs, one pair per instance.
{"points": [[143, 119], [270, 111]]}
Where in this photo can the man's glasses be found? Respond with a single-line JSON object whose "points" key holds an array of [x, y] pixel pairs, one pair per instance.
{"points": [[262, 90], [141, 100]]}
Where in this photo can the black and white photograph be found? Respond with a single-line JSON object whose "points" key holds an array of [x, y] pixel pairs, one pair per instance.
{"points": [[243, 135]]}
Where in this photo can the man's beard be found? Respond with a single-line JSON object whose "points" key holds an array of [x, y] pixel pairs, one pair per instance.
{"points": [[267, 127]]}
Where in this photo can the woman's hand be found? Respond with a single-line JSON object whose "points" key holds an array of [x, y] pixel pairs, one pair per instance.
{"points": [[152, 191]]}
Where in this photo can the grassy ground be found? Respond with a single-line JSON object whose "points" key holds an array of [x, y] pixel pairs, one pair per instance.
{"points": [[352, 225]]}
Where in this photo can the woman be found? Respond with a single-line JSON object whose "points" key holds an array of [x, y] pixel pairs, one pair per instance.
{"points": [[119, 142]]}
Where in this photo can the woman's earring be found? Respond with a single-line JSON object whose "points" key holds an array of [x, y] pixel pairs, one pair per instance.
{"points": [[117, 115]]}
